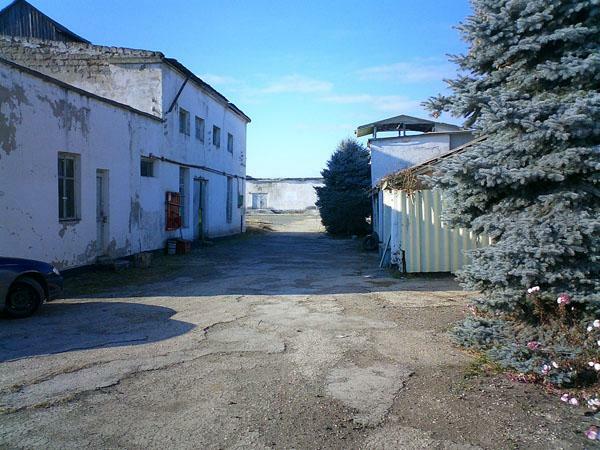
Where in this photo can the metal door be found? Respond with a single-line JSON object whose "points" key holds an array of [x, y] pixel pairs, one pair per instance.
{"points": [[199, 208], [259, 201]]}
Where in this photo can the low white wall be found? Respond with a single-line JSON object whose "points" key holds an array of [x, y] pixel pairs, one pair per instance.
{"points": [[284, 194]]}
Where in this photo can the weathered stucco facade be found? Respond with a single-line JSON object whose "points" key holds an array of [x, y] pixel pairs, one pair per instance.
{"points": [[282, 194], [111, 110]]}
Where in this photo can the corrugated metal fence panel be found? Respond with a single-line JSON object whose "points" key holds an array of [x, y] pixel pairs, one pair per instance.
{"points": [[417, 228]]}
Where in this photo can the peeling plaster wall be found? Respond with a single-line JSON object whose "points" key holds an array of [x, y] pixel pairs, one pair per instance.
{"points": [[138, 78], [285, 194], [128, 76], [49, 119], [109, 138]]}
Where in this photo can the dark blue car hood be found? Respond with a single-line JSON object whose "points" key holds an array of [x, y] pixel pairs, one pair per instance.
{"points": [[25, 264]]}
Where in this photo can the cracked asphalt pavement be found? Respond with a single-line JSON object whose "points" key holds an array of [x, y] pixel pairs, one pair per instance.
{"points": [[275, 340]]}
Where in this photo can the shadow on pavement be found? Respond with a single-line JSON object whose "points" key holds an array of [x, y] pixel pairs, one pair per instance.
{"points": [[64, 327]]}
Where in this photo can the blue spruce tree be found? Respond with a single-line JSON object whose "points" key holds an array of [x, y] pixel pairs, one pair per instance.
{"points": [[343, 201], [529, 82]]}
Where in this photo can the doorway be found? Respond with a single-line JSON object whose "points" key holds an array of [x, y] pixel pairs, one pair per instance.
{"points": [[259, 200], [101, 211], [200, 215]]}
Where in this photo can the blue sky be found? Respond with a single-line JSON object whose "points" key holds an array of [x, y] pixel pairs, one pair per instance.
{"points": [[306, 72]]}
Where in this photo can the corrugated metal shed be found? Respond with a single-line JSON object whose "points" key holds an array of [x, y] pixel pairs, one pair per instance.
{"points": [[21, 19], [428, 244], [413, 231]]}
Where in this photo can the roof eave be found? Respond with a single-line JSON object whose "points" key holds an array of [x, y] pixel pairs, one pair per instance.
{"points": [[204, 85]]}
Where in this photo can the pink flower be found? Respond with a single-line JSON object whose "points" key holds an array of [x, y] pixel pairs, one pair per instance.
{"points": [[545, 369], [564, 398], [472, 309], [593, 402], [533, 345], [563, 299], [592, 433], [596, 323], [574, 401], [533, 289], [591, 364]]}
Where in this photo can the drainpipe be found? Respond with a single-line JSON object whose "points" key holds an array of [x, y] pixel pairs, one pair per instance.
{"points": [[177, 96]]}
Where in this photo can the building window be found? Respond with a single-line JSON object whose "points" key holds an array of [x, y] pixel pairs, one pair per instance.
{"points": [[183, 190], [200, 129], [216, 136], [230, 143], [184, 122], [146, 167], [67, 187], [229, 199]]}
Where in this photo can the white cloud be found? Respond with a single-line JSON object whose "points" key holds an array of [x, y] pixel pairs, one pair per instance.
{"points": [[389, 103], [416, 71], [296, 84]]}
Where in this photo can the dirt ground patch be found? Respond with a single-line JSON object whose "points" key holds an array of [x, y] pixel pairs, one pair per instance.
{"points": [[272, 340]]}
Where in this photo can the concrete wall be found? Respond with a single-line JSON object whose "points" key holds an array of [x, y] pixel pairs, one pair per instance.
{"points": [[285, 194], [40, 118], [389, 155]]}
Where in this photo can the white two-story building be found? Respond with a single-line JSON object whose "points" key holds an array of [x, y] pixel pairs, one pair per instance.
{"points": [[109, 151]]}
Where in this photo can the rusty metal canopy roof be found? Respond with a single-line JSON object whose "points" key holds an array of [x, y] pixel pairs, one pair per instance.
{"points": [[407, 123], [21, 19]]}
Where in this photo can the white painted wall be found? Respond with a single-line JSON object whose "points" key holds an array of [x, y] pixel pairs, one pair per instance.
{"points": [[389, 155], [39, 119], [190, 150], [285, 194]]}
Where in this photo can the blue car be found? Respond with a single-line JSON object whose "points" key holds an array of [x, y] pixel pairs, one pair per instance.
{"points": [[25, 284]]}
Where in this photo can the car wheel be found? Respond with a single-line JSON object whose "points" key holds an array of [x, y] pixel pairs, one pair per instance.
{"points": [[24, 298]]}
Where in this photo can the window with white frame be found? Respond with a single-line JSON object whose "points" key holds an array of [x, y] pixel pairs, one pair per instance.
{"points": [[200, 129], [184, 121], [230, 143], [216, 136], [68, 185]]}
